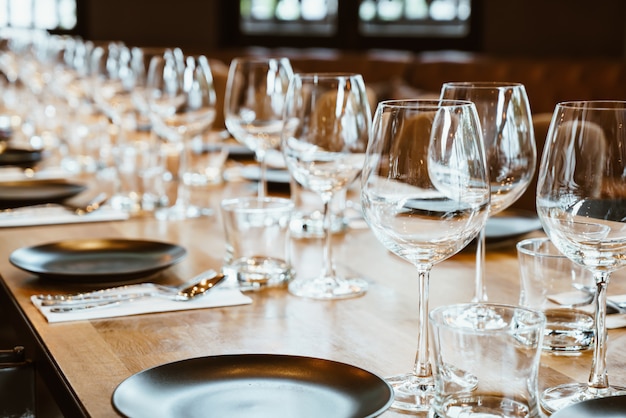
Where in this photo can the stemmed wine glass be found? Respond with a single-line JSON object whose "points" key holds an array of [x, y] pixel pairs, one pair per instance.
{"points": [[327, 119], [581, 201], [425, 195], [253, 105], [181, 98], [509, 137]]}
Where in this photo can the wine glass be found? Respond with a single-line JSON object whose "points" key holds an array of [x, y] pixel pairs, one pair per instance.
{"points": [[425, 195], [581, 201], [181, 97], [327, 119], [253, 105], [509, 138]]}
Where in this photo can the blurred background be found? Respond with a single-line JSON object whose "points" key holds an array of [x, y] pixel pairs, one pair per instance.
{"points": [[573, 28]]}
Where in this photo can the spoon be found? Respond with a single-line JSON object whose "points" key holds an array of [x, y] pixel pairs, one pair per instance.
{"points": [[195, 288]]}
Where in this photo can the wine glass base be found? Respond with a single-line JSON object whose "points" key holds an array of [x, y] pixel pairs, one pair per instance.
{"points": [[412, 393], [558, 397], [328, 288]]}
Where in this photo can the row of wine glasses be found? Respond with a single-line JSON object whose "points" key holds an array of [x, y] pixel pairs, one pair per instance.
{"points": [[424, 203]]}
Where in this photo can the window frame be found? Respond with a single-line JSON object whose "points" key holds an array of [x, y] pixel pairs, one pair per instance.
{"points": [[347, 36], [79, 29]]}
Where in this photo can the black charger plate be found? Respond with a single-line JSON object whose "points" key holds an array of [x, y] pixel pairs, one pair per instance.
{"points": [[33, 192], [97, 260], [253, 385]]}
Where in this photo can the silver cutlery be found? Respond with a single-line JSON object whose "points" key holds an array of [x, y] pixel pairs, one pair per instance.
{"points": [[116, 295], [80, 205]]}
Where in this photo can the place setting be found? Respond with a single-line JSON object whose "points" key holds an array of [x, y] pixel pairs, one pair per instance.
{"points": [[31, 202], [117, 269]]}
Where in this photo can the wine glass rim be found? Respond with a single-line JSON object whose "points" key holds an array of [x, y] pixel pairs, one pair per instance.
{"points": [[524, 247], [533, 317], [425, 103], [593, 104], [483, 84]]}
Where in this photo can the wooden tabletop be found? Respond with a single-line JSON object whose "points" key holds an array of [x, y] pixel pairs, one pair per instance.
{"points": [[83, 362]]}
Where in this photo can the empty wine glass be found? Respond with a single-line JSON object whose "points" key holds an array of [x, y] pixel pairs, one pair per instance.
{"points": [[181, 96], [509, 138], [327, 119], [253, 105], [581, 201], [425, 195]]}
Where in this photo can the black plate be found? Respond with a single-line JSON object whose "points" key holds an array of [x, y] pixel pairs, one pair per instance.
{"points": [[97, 260], [253, 385], [32, 192], [20, 157], [511, 224], [610, 407]]}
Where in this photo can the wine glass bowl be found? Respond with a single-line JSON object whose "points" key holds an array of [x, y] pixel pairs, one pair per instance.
{"points": [[326, 125], [580, 202], [253, 105], [508, 133], [181, 98], [425, 195]]}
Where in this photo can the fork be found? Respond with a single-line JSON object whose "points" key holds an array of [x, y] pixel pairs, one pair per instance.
{"points": [[126, 292]]}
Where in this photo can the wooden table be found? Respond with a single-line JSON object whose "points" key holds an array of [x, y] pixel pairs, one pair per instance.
{"points": [[83, 362]]}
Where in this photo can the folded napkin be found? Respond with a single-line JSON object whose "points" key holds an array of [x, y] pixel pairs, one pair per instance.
{"points": [[218, 297], [55, 214], [17, 174]]}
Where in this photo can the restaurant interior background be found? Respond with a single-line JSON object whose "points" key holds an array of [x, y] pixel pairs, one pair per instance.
{"points": [[525, 27], [528, 28]]}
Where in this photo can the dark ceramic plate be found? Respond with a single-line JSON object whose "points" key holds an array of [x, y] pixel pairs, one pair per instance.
{"points": [[32, 192], [253, 385], [20, 157], [611, 407], [97, 260], [511, 224]]}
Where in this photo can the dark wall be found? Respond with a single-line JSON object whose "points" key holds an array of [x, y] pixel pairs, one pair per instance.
{"points": [[529, 27], [555, 27]]}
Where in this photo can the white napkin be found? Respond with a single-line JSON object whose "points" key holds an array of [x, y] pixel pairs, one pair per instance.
{"points": [[218, 297], [48, 173], [55, 214]]}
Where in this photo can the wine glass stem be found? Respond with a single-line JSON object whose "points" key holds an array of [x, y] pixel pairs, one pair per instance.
{"points": [[598, 379], [480, 293], [260, 156], [422, 363], [328, 267], [183, 158]]}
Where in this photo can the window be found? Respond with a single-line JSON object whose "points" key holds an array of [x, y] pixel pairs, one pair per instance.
{"points": [[393, 24], [53, 15]]}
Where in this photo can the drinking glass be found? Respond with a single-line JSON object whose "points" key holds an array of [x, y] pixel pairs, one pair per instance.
{"points": [[327, 119], [581, 202], [509, 137], [253, 105], [181, 96], [425, 195]]}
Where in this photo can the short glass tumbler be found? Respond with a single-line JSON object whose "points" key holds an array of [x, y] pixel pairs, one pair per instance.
{"points": [[257, 241], [486, 368], [562, 290]]}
